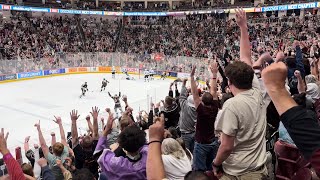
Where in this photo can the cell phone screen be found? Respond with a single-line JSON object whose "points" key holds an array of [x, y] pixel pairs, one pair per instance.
{"points": [[3, 168]]}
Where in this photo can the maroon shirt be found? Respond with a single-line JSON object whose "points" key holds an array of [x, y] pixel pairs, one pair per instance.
{"points": [[205, 123]]}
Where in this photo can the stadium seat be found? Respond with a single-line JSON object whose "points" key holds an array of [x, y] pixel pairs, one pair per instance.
{"points": [[284, 150], [286, 167], [290, 160], [303, 174]]}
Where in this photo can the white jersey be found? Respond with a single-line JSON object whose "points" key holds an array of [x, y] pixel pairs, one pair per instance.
{"points": [[113, 69], [151, 72], [146, 72]]}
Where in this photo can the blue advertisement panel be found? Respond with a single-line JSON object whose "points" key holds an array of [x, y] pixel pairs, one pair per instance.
{"points": [[2, 77], [159, 72], [173, 74], [30, 74], [290, 6], [10, 77], [72, 11], [25, 8], [54, 71], [302, 6], [144, 14]]}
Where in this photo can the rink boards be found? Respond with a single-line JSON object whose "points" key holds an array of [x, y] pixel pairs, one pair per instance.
{"points": [[79, 70]]}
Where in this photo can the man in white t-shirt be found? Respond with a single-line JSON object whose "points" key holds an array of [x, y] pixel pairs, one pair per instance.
{"points": [[242, 123]]}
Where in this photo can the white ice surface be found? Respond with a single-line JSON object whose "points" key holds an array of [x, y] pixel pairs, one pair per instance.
{"points": [[23, 103]]}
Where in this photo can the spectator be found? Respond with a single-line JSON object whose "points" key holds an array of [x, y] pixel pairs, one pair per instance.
{"points": [[14, 169], [171, 112], [84, 151], [175, 160], [132, 140], [240, 118], [295, 118], [60, 150], [207, 106], [188, 117]]}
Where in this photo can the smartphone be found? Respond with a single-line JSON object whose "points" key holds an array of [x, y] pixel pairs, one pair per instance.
{"points": [[3, 168]]}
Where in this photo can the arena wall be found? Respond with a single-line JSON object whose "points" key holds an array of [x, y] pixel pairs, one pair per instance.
{"points": [[77, 70]]}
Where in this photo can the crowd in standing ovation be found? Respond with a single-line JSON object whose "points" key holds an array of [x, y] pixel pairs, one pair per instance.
{"points": [[219, 131]]}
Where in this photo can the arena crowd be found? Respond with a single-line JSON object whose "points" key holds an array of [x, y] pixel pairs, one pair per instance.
{"points": [[262, 86]]}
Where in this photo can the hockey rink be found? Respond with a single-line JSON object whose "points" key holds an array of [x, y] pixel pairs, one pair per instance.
{"points": [[23, 103]]}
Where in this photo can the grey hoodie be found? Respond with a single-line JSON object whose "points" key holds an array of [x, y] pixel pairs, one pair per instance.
{"points": [[188, 114]]}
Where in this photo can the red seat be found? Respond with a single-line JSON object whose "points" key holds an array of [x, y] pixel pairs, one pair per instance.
{"points": [[290, 161], [279, 177], [303, 174], [286, 151], [286, 167]]}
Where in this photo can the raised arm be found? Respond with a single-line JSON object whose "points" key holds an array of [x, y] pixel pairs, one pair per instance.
{"points": [[314, 69], [274, 77], [155, 167], [245, 51], [42, 141], [110, 95], [74, 130], [14, 170], [213, 80], [102, 143], [102, 124], [299, 57], [177, 91], [125, 100], [53, 138], [194, 89], [37, 167], [26, 144], [46, 172], [95, 114], [170, 90], [296, 119], [66, 174], [262, 59], [62, 133], [184, 94], [90, 126], [150, 118], [301, 84]]}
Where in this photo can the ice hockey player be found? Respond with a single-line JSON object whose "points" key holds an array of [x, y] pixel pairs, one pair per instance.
{"points": [[113, 71], [104, 84], [152, 73], [117, 104], [84, 89], [163, 75], [146, 75]]}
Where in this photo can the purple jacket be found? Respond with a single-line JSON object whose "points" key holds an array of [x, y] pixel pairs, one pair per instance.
{"points": [[120, 167]]}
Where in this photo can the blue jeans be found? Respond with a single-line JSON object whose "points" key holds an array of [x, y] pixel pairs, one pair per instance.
{"points": [[188, 140], [203, 155]]}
